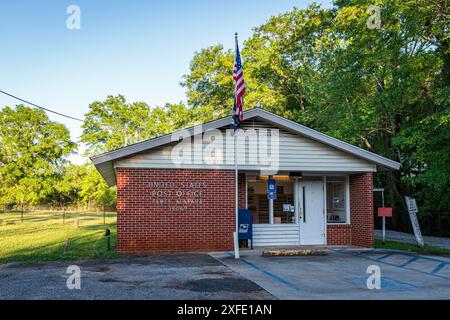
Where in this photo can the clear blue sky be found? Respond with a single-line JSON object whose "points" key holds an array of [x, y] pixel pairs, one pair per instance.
{"points": [[140, 49]]}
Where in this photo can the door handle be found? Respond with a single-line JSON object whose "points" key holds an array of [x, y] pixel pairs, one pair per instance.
{"points": [[304, 205]]}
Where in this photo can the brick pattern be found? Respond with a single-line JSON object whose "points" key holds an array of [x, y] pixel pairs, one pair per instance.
{"points": [[144, 226], [339, 235], [361, 209], [360, 230], [241, 190]]}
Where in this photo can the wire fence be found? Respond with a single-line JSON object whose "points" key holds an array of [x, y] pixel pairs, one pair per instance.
{"points": [[54, 208], [67, 215]]}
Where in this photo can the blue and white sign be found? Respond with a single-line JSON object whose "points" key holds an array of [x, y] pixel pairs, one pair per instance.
{"points": [[272, 196], [243, 228], [271, 186]]}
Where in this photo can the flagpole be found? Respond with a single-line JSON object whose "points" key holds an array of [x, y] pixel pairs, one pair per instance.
{"points": [[236, 190], [236, 200]]}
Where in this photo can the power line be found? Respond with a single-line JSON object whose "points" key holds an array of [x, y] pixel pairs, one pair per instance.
{"points": [[37, 106]]}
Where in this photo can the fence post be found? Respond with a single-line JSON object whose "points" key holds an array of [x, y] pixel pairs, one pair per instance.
{"points": [[104, 220]]}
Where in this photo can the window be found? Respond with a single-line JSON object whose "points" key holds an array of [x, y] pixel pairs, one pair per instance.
{"points": [[283, 205], [337, 196]]}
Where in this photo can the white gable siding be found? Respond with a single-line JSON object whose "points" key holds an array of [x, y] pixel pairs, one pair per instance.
{"points": [[296, 153]]}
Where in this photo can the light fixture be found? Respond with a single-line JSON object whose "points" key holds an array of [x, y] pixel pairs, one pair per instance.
{"points": [[276, 177]]}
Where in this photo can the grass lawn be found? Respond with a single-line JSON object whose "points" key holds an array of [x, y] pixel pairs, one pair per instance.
{"points": [[42, 236], [411, 247]]}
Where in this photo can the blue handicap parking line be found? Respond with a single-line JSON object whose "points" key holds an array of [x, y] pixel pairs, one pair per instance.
{"points": [[366, 251], [409, 261], [439, 267], [387, 284], [433, 273], [441, 264], [385, 256], [270, 274]]}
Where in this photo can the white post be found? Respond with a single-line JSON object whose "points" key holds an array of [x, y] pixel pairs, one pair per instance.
{"points": [[270, 208], [296, 200], [236, 200]]}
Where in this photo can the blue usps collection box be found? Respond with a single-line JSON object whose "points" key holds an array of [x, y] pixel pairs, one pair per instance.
{"points": [[245, 221]]}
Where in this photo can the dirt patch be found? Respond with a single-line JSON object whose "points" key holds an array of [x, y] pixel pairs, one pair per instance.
{"points": [[111, 280], [98, 269], [225, 284], [189, 260]]}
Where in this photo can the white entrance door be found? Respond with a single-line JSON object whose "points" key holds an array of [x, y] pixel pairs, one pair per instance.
{"points": [[311, 213]]}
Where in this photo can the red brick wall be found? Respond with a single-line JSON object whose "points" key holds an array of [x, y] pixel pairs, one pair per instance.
{"points": [[241, 190], [339, 235], [145, 226], [361, 209], [360, 230]]}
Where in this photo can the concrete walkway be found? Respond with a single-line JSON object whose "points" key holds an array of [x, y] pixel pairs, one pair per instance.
{"points": [[409, 238], [343, 274]]}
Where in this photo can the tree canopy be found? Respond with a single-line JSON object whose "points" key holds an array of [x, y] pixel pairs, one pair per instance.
{"points": [[114, 123], [32, 154], [384, 89]]}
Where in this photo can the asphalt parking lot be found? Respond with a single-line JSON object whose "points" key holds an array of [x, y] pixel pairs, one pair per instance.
{"points": [[342, 274], [181, 276]]}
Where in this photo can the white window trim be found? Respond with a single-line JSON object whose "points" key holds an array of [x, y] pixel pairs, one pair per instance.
{"points": [[347, 205]]}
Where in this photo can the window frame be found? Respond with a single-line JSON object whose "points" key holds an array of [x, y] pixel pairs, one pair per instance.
{"points": [[346, 201]]}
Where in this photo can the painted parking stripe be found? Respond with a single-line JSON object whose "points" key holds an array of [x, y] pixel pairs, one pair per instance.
{"points": [[268, 273], [418, 256], [409, 262], [394, 265], [382, 257], [366, 251], [439, 267]]}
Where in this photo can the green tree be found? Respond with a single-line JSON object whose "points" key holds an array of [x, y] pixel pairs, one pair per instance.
{"points": [[386, 78], [114, 123], [375, 88], [94, 189], [209, 84], [69, 186], [33, 150], [284, 59], [425, 149]]}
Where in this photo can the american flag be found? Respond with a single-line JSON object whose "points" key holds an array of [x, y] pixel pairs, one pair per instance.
{"points": [[238, 76]]}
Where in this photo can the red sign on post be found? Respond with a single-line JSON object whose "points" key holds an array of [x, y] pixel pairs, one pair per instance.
{"points": [[385, 212]]}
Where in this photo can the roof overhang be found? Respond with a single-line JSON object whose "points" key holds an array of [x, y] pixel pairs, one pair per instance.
{"points": [[105, 162]]}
